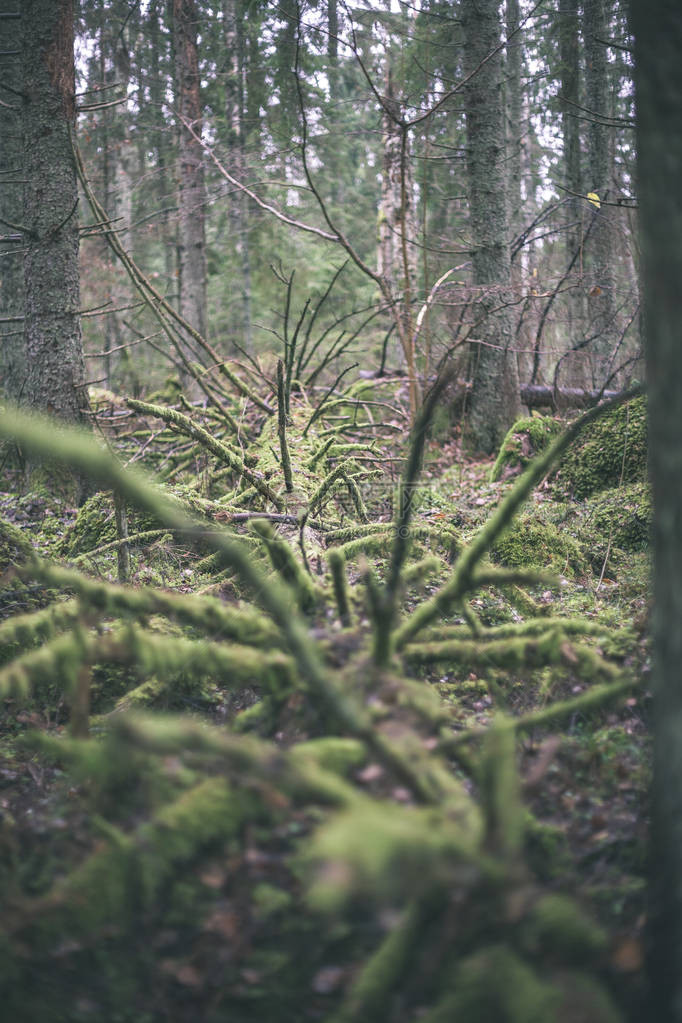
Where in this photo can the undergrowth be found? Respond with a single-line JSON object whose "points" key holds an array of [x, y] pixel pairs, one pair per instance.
{"points": [[304, 752]]}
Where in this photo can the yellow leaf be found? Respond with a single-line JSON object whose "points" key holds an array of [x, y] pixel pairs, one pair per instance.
{"points": [[594, 199]]}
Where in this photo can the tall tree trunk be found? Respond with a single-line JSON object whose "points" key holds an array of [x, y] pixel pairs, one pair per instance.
{"points": [[600, 276], [658, 77], [495, 401], [52, 334], [515, 145], [579, 370], [191, 234], [234, 111], [333, 31], [158, 84], [514, 115], [12, 355], [396, 255]]}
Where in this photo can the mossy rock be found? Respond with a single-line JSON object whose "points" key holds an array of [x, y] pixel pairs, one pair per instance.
{"points": [[558, 929], [496, 986], [95, 526], [583, 1000], [612, 452], [531, 543], [14, 546], [526, 438], [622, 516]]}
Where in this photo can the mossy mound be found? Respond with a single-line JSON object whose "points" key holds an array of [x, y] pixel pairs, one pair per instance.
{"points": [[622, 515], [95, 526], [14, 546], [525, 439], [531, 543], [612, 452]]}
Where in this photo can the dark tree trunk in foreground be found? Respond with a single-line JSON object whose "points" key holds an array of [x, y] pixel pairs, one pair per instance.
{"points": [[658, 34], [55, 380], [495, 392], [191, 233]]}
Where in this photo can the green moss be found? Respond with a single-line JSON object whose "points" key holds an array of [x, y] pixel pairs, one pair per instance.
{"points": [[383, 851], [14, 546], [583, 998], [524, 440], [531, 543], [612, 451], [546, 848], [333, 753], [495, 986], [557, 928], [95, 525], [622, 516], [269, 900]]}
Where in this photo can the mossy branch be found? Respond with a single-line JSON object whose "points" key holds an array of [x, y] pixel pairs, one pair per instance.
{"points": [[146, 536], [460, 581], [226, 455], [245, 625], [534, 627], [337, 567], [231, 664], [284, 562], [73, 448], [376, 537], [383, 625], [56, 662], [514, 653], [594, 699], [128, 874], [29, 629], [282, 409], [340, 472], [371, 991], [501, 792]]}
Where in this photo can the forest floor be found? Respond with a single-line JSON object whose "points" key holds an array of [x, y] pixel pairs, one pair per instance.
{"points": [[584, 781]]}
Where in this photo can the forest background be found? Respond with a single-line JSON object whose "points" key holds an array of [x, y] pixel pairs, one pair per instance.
{"points": [[300, 233]]}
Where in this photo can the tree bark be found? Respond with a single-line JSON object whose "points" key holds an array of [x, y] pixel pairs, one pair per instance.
{"points": [[396, 256], [55, 379], [579, 369], [192, 197], [601, 285], [495, 393], [658, 77], [12, 360], [234, 113]]}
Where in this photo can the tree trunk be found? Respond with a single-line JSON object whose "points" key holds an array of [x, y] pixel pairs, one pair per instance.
{"points": [[515, 153], [658, 77], [495, 393], [55, 380], [12, 360], [514, 116], [396, 257], [158, 84], [600, 276], [234, 112], [578, 370], [192, 197]]}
